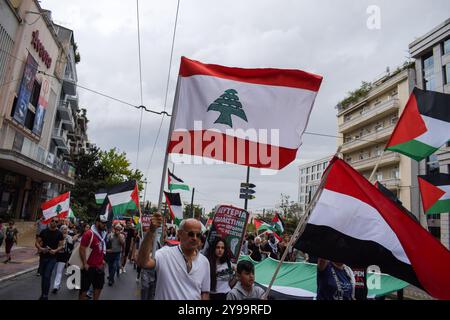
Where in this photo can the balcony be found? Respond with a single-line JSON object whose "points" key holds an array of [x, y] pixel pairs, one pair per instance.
{"points": [[369, 163], [375, 113], [65, 113], [60, 138], [369, 139]]}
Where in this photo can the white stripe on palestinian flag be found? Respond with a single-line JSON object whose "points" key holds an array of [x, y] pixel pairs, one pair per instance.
{"points": [[99, 197], [175, 207], [356, 219], [437, 133], [274, 110], [57, 206]]}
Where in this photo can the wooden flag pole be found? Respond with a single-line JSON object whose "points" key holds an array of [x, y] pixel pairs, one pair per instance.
{"points": [[376, 166], [300, 227]]}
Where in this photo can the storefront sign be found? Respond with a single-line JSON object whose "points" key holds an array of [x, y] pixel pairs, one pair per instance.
{"points": [[39, 47]]}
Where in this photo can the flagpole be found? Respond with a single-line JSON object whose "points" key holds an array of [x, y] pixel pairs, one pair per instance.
{"points": [[300, 227], [376, 166], [166, 160]]}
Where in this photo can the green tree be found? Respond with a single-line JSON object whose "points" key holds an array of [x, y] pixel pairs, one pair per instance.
{"points": [[187, 211], [228, 104]]}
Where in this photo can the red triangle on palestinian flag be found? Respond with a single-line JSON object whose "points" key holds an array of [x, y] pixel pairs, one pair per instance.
{"points": [[430, 194]]}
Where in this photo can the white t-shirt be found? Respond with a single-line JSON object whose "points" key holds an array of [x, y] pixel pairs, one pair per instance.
{"points": [[224, 275], [173, 281]]}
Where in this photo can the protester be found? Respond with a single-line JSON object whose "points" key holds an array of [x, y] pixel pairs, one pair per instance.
{"points": [[62, 257], [93, 271], [271, 248], [10, 238], [148, 278], [244, 250], [221, 270], [245, 288], [335, 281], [129, 242], [171, 234], [49, 243], [255, 250], [192, 281], [115, 242]]}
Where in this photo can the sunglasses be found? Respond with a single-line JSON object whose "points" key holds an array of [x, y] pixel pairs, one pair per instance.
{"points": [[192, 234]]}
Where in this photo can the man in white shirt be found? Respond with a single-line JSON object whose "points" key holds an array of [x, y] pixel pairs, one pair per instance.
{"points": [[182, 272]]}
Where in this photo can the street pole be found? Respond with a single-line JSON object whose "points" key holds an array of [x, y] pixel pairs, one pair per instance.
{"points": [[145, 190], [248, 178], [192, 202]]}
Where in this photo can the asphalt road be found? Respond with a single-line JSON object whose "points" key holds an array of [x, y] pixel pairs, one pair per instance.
{"points": [[28, 287]]}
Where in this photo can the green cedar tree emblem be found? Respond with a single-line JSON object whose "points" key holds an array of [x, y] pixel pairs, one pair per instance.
{"points": [[58, 209], [228, 104]]}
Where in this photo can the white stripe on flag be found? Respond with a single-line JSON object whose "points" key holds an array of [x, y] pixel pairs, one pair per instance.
{"points": [[120, 198], [438, 132], [177, 211], [446, 196], [356, 219], [267, 107]]}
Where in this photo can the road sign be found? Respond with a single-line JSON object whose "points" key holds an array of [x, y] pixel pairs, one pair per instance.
{"points": [[248, 191], [247, 185], [246, 196]]}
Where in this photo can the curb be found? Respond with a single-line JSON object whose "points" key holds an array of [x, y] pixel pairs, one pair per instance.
{"points": [[15, 275]]}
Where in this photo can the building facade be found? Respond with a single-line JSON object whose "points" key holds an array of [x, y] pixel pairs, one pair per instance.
{"points": [[365, 127], [432, 64], [38, 104], [309, 179]]}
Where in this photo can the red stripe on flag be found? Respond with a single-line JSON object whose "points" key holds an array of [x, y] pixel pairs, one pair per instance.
{"points": [[230, 149], [61, 215], [265, 76], [429, 193], [135, 195], [53, 202], [429, 258], [410, 124]]}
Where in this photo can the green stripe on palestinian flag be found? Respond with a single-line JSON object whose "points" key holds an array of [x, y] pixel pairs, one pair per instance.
{"points": [[424, 125], [278, 224], [124, 197], [175, 182], [435, 193], [100, 196], [173, 200]]}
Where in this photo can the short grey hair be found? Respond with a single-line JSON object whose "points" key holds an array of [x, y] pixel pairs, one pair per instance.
{"points": [[183, 222], [63, 227]]}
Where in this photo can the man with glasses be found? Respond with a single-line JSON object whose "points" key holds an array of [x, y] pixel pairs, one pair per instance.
{"points": [[49, 242], [182, 272]]}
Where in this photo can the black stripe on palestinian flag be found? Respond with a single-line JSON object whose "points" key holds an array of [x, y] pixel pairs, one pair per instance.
{"points": [[433, 104], [435, 193], [352, 217], [175, 207]]}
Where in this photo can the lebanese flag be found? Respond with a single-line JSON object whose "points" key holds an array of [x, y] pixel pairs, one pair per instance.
{"points": [[354, 223], [435, 193], [173, 200], [424, 125], [252, 117], [56, 207]]}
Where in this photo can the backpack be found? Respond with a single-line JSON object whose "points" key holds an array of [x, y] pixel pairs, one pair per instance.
{"points": [[10, 234]]}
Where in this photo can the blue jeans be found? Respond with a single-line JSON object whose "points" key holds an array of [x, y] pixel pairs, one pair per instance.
{"points": [[47, 265], [113, 260]]}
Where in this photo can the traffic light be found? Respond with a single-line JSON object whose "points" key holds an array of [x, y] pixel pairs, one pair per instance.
{"points": [[247, 191]]}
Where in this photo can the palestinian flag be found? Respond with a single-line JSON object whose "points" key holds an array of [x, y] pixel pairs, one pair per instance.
{"points": [[175, 182], [261, 226], [424, 125], [435, 193], [173, 200], [251, 117], [100, 196], [354, 223], [107, 213], [124, 197], [278, 224], [57, 207]]}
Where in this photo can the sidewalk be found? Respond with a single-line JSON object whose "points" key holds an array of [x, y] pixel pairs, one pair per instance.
{"points": [[23, 259]]}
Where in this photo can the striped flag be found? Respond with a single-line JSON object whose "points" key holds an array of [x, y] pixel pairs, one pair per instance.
{"points": [[278, 224], [435, 193], [424, 125], [56, 207], [100, 196], [354, 223], [173, 200], [124, 197], [252, 117], [175, 182]]}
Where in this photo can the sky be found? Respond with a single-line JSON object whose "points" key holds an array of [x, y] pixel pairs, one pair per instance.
{"points": [[346, 42]]}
